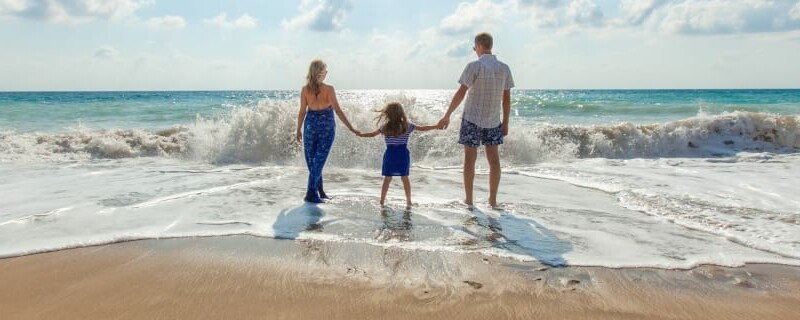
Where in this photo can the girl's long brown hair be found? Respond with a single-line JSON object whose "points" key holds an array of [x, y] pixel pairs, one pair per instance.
{"points": [[312, 78], [392, 120]]}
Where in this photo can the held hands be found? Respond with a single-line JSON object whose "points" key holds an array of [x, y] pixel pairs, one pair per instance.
{"points": [[504, 128], [298, 136], [444, 122]]}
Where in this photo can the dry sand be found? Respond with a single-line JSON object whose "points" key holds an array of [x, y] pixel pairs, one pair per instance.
{"points": [[253, 278]]}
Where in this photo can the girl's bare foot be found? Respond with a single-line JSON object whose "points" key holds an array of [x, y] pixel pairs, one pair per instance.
{"points": [[469, 205]]}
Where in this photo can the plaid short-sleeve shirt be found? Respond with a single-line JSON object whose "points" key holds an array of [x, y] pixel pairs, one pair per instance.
{"points": [[486, 79]]}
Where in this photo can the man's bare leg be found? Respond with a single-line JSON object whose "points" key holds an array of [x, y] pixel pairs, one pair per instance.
{"points": [[493, 155], [470, 155]]}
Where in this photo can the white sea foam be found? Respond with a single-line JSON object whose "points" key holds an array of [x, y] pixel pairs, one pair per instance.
{"points": [[576, 213], [266, 134]]}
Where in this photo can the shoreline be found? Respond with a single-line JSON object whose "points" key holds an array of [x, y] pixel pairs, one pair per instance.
{"points": [[251, 277], [123, 242]]}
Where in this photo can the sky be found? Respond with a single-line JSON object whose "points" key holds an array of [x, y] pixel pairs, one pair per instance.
{"points": [[68, 45]]}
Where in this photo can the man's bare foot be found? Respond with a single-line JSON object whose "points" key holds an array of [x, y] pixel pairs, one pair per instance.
{"points": [[495, 206]]}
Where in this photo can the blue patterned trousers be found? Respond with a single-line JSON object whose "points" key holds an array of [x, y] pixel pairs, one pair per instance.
{"points": [[319, 130]]}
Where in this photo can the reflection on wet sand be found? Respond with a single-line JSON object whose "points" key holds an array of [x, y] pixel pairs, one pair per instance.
{"points": [[291, 223], [396, 225], [516, 234]]}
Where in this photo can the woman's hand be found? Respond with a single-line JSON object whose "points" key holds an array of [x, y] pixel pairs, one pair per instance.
{"points": [[298, 136]]}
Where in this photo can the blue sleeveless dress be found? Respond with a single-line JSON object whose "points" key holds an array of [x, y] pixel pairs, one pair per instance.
{"points": [[397, 158], [319, 131]]}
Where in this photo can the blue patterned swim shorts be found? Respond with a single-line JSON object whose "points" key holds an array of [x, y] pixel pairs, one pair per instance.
{"points": [[473, 136]]}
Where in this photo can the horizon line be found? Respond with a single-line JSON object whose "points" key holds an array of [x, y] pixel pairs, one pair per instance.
{"points": [[394, 89]]}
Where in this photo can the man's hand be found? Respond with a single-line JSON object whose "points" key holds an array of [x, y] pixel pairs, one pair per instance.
{"points": [[504, 128], [444, 122]]}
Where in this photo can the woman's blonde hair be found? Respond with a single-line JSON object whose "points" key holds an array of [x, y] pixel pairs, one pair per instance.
{"points": [[312, 78], [392, 119]]}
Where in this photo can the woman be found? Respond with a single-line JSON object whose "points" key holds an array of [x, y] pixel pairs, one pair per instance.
{"points": [[317, 105]]}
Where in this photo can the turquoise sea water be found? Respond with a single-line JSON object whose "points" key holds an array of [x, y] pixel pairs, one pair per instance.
{"points": [[59, 111]]}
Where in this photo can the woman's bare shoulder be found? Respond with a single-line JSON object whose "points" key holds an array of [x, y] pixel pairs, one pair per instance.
{"points": [[327, 90]]}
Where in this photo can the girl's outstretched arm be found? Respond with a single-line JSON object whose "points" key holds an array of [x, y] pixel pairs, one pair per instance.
{"points": [[427, 128], [369, 134]]}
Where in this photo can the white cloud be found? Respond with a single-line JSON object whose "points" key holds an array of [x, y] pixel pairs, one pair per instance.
{"points": [[541, 17], [585, 12], [459, 50], [167, 22], [670, 16], [728, 16], [416, 49], [12, 6], [562, 13], [245, 21], [106, 52], [541, 3], [275, 53], [471, 16], [795, 12], [636, 12], [74, 11], [325, 16]]}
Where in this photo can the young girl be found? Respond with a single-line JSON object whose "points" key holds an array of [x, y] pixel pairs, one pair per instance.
{"points": [[395, 127]]}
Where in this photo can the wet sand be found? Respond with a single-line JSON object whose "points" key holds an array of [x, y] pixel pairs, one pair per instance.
{"points": [[253, 278]]}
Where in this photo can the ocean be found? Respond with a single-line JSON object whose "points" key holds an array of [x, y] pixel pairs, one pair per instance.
{"points": [[615, 178]]}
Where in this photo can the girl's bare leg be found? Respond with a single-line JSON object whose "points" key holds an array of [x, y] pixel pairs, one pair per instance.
{"points": [[385, 189], [407, 188]]}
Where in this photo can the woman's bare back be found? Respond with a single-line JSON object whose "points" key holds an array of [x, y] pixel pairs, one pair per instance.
{"points": [[321, 101]]}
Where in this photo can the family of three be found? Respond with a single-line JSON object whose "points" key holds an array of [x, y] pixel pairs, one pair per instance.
{"points": [[486, 84]]}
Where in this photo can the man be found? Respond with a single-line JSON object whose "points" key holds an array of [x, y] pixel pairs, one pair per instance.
{"points": [[489, 83]]}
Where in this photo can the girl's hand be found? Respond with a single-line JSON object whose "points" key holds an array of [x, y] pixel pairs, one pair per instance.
{"points": [[298, 136]]}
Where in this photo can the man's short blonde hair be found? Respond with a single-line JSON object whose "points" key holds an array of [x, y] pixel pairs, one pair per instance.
{"points": [[484, 39]]}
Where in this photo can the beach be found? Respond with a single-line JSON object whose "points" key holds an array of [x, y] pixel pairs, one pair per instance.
{"points": [[244, 277], [613, 205]]}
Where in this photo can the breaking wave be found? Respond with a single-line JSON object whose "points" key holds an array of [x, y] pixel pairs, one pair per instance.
{"points": [[266, 134]]}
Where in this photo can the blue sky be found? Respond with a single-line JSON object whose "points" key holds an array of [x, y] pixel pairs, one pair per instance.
{"points": [[396, 44]]}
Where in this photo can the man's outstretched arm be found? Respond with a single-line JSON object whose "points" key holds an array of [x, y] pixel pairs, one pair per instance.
{"points": [[457, 98]]}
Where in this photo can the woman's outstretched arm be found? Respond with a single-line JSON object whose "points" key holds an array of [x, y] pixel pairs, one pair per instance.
{"points": [[340, 113], [301, 116]]}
